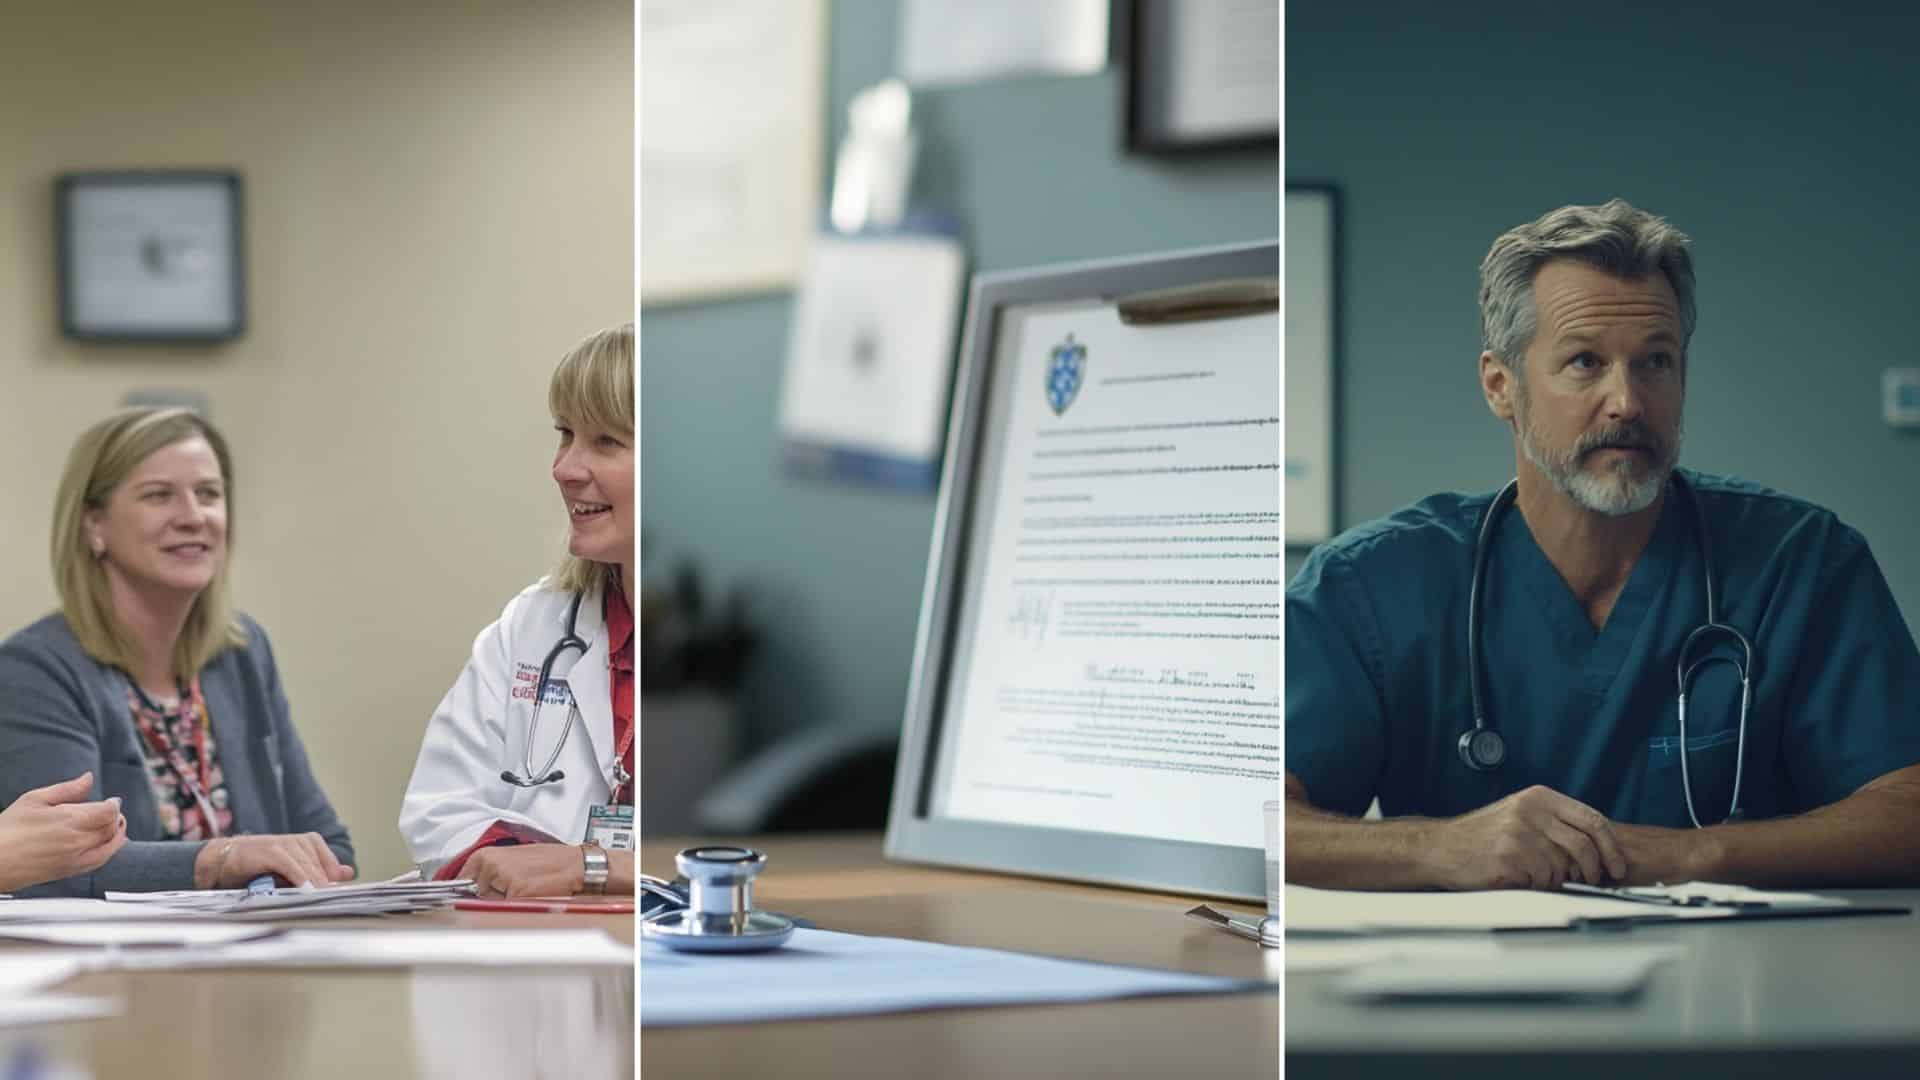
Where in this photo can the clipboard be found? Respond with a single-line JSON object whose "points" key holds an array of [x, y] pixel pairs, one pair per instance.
{"points": [[1739, 902], [1086, 396]]}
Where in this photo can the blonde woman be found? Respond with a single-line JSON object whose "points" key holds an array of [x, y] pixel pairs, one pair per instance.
{"points": [[525, 777], [148, 679]]}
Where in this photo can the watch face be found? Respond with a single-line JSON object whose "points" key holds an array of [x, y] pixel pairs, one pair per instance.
{"points": [[151, 255]]}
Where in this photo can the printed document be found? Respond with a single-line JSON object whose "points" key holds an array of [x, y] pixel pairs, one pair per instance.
{"points": [[1117, 662], [822, 973]]}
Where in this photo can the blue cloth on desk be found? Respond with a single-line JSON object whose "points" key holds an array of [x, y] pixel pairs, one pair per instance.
{"points": [[823, 973], [1377, 677]]}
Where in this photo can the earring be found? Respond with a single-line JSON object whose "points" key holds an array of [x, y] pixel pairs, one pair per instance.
{"points": [[99, 549]]}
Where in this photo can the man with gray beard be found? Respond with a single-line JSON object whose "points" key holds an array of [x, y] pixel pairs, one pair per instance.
{"points": [[1613, 670]]}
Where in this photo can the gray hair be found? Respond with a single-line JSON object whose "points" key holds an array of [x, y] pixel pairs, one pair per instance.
{"points": [[1615, 237]]}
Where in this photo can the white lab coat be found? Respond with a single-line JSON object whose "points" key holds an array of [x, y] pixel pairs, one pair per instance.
{"points": [[480, 728]]}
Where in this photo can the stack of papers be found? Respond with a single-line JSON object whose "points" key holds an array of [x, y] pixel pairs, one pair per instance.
{"points": [[400, 895]]}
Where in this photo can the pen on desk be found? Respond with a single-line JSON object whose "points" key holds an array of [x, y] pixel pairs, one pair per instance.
{"points": [[1634, 896], [1246, 928]]}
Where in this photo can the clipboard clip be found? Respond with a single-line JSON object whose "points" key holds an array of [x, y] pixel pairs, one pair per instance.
{"points": [[1661, 896], [1225, 299]]}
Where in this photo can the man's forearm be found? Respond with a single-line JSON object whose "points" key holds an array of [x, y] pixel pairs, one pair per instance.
{"points": [[1864, 840], [1333, 851]]}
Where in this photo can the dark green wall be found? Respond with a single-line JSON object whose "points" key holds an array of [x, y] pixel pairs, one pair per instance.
{"points": [[1781, 137], [1033, 168]]}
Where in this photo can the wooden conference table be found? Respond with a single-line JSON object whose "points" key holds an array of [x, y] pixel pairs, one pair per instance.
{"points": [[842, 882], [370, 1024]]}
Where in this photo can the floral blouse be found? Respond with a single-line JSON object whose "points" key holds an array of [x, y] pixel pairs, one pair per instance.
{"points": [[183, 764]]}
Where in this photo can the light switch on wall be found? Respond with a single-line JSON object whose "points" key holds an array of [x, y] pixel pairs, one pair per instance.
{"points": [[1900, 394]]}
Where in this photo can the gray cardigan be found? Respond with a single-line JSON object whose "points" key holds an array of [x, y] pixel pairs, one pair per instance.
{"points": [[62, 713]]}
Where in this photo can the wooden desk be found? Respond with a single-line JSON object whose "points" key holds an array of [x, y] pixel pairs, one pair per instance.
{"points": [[458, 1024], [843, 883]]}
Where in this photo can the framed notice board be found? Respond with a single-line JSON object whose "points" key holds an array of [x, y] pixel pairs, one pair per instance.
{"points": [[1311, 349]]}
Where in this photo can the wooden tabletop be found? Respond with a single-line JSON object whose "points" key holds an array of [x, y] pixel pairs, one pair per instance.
{"points": [[368, 1024], [843, 883]]}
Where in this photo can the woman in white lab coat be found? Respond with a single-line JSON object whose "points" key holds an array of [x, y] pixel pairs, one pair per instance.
{"points": [[533, 801]]}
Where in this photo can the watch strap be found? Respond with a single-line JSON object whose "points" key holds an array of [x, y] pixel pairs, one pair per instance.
{"points": [[594, 876]]}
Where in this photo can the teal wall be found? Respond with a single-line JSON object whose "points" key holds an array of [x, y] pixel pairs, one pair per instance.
{"points": [[1033, 169], [1781, 137]]}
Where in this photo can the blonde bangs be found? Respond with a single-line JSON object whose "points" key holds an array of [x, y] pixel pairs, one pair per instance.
{"points": [[594, 382], [593, 386]]}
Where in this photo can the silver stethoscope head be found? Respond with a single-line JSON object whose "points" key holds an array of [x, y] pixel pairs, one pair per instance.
{"points": [[719, 916]]}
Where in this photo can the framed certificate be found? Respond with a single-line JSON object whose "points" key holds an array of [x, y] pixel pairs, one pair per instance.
{"points": [[733, 104], [151, 255], [1096, 682], [1201, 76]]}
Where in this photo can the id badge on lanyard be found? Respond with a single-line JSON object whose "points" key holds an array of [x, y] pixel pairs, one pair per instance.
{"points": [[610, 826]]}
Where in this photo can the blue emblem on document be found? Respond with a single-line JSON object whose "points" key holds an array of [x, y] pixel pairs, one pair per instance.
{"points": [[1066, 369]]}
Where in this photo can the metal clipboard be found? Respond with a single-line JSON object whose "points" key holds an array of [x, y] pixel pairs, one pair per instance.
{"points": [[1171, 290]]}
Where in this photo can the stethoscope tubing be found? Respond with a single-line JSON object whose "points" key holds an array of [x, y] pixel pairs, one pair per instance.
{"points": [[1482, 747], [547, 775]]}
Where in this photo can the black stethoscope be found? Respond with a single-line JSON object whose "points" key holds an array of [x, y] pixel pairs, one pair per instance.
{"points": [[1482, 748], [548, 774]]}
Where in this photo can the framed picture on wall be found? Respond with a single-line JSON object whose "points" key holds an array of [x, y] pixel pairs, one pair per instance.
{"points": [[1200, 76], [733, 107], [1308, 359], [150, 256]]}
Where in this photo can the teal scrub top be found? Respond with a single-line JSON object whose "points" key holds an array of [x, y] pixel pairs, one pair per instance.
{"points": [[1377, 681]]}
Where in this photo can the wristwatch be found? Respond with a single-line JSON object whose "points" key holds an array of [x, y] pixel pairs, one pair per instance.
{"points": [[595, 878]]}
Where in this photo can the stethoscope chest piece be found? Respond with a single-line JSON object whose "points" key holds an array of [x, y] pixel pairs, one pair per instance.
{"points": [[1482, 749], [719, 916]]}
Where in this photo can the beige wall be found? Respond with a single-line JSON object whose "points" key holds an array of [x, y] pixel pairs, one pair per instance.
{"points": [[439, 203]]}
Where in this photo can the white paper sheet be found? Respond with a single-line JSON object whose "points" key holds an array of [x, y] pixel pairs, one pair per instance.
{"points": [[54, 1009], [1118, 665], [73, 909], [1304, 956], [401, 948], [23, 972], [1610, 970], [822, 973], [1324, 910], [187, 933]]}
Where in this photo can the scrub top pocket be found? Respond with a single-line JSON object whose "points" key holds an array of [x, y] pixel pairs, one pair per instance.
{"points": [[1710, 767]]}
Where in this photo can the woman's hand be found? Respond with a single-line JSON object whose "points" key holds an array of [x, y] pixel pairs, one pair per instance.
{"points": [[50, 833], [527, 870], [297, 859]]}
